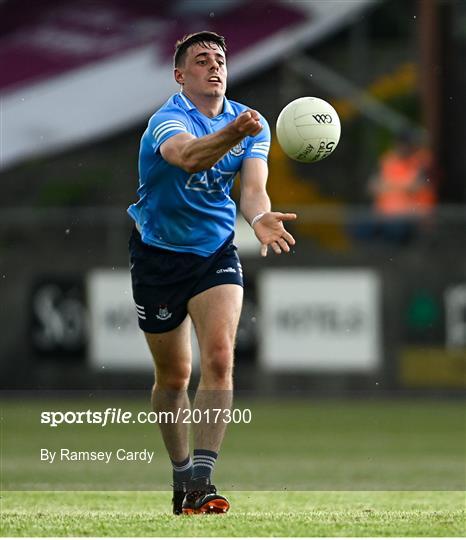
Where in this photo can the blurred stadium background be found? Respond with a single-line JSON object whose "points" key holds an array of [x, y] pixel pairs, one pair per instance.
{"points": [[345, 316]]}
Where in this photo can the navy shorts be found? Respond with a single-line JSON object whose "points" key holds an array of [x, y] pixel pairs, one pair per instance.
{"points": [[164, 281]]}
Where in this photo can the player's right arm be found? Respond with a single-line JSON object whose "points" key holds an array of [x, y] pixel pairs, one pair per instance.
{"points": [[194, 154]]}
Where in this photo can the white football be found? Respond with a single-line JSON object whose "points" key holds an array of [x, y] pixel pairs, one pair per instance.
{"points": [[308, 129]]}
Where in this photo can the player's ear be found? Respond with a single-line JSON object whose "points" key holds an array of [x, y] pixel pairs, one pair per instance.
{"points": [[179, 77]]}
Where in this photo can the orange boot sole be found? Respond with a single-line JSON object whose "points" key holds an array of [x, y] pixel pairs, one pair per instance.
{"points": [[216, 506]]}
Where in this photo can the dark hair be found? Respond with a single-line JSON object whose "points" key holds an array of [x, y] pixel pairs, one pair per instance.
{"points": [[205, 37]]}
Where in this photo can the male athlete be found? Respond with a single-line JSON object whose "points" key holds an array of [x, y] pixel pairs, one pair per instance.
{"points": [[184, 265]]}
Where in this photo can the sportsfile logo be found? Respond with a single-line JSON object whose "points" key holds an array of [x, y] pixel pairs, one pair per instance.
{"points": [[113, 415]]}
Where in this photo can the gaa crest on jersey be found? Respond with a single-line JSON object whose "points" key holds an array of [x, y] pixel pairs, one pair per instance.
{"points": [[163, 314], [237, 150]]}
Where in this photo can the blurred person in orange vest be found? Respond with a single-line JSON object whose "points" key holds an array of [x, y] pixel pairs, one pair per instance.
{"points": [[403, 189]]}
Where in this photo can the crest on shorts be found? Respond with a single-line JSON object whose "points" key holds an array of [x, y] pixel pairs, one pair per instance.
{"points": [[163, 314], [237, 150]]}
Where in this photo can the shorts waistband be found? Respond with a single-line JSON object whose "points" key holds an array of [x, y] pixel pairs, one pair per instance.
{"points": [[138, 233]]}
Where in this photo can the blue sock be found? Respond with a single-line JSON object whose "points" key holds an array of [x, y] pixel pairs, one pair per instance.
{"points": [[182, 470], [204, 463]]}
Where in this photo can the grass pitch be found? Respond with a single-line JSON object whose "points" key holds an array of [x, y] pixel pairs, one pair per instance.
{"points": [[300, 468], [297, 445], [253, 514]]}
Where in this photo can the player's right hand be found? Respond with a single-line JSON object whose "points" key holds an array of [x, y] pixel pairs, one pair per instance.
{"points": [[270, 231], [248, 123]]}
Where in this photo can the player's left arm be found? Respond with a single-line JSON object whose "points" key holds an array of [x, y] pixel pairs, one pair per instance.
{"points": [[255, 207]]}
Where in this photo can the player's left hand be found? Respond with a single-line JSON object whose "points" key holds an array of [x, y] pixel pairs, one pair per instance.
{"points": [[270, 231]]}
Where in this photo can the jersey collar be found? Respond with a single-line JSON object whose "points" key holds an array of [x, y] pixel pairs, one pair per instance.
{"points": [[188, 105]]}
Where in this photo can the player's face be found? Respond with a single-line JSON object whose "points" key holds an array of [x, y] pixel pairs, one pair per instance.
{"points": [[204, 72]]}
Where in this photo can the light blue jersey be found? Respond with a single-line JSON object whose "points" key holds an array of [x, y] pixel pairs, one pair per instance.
{"points": [[186, 212]]}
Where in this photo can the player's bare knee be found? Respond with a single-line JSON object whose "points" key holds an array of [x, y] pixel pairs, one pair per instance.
{"points": [[173, 379], [218, 364]]}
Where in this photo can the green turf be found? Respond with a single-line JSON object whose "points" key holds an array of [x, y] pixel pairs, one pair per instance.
{"points": [[364, 468], [252, 514], [295, 445]]}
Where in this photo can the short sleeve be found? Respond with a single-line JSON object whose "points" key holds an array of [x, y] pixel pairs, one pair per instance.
{"points": [[259, 146], [165, 124]]}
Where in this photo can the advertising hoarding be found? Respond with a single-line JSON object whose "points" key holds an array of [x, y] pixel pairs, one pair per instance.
{"points": [[320, 320]]}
